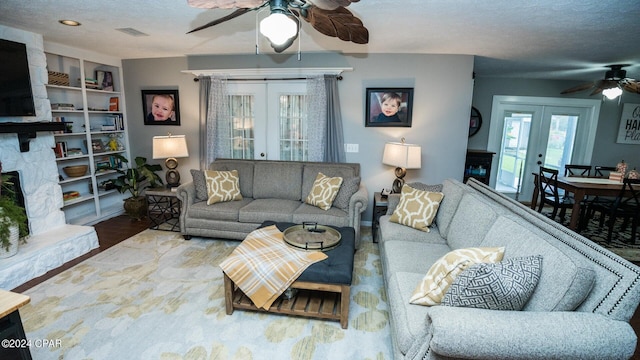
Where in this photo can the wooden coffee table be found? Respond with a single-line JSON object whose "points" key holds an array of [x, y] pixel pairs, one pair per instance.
{"points": [[323, 289]]}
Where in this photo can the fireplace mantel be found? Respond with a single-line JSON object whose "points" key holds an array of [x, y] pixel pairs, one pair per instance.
{"points": [[28, 130]]}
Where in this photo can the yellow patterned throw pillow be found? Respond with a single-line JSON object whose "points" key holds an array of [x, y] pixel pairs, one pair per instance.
{"points": [[417, 208], [440, 276], [222, 186], [324, 191]]}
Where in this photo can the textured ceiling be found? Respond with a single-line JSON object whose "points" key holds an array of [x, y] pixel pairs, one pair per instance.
{"points": [[553, 39]]}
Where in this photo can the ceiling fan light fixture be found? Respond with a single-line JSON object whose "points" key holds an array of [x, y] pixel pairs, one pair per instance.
{"points": [[278, 28], [612, 93]]}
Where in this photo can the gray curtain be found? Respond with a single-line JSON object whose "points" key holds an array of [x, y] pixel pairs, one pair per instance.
{"points": [[334, 149], [205, 86], [317, 118]]}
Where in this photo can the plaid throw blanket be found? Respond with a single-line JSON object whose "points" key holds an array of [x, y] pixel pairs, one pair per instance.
{"points": [[263, 266]]}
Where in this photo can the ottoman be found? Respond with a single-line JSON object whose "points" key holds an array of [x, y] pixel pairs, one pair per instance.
{"points": [[323, 289]]}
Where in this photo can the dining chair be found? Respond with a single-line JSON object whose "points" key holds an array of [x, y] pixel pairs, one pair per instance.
{"points": [[627, 207], [548, 185], [577, 170], [600, 170], [600, 204]]}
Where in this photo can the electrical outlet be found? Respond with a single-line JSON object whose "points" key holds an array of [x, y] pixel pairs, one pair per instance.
{"points": [[351, 148]]}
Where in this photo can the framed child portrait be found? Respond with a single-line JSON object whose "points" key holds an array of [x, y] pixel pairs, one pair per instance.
{"points": [[161, 107], [390, 107]]}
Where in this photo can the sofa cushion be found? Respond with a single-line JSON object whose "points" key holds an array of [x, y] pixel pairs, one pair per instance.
{"points": [[310, 213], [417, 208], [350, 185], [277, 180], [407, 320], [311, 170], [245, 172], [260, 210], [506, 285], [227, 211], [471, 222], [564, 280], [441, 274], [453, 192], [200, 184], [222, 186], [324, 191], [410, 256], [390, 231]]}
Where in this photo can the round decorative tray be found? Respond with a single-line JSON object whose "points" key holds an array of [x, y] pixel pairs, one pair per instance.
{"points": [[311, 236]]}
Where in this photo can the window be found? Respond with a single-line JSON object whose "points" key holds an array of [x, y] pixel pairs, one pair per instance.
{"points": [[268, 121]]}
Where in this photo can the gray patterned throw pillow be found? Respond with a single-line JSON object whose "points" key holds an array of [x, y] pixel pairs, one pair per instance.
{"points": [[506, 285], [348, 188], [200, 184]]}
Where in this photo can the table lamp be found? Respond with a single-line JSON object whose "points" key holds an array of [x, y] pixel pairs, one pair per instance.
{"points": [[170, 147], [403, 156]]}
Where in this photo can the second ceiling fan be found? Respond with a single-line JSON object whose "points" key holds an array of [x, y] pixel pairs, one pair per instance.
{"points": [[614, 82], [329, 17]]}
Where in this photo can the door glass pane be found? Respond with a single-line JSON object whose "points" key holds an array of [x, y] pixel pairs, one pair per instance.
{"points": [[293, 128], [562, 132], [242, 123], [513, 151]]}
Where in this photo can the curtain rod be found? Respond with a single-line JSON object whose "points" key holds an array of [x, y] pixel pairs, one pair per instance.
{"points": [[339, 77]]}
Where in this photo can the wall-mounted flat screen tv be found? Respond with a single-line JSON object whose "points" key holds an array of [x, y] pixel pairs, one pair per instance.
{"points": [[16, 96]]}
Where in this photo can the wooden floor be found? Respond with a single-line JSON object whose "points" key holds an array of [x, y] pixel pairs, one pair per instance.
{"points": [[117, 229]]}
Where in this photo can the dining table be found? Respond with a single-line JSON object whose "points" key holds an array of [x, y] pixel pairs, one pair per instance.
{"points": [[580, 187]]}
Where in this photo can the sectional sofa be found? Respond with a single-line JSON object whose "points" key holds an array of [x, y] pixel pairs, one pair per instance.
{"points": [[580, 308], [271, 190]]}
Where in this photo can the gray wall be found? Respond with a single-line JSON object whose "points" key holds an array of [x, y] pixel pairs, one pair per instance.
{"points": [[442, 100], [606, 150]]}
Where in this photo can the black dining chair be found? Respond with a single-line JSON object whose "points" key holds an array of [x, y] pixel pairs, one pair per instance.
{"points": [[626, 206], [549, 195], [577, 170], [600, 204], [600, 171]]}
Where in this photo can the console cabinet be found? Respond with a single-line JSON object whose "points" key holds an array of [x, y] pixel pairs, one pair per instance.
{"points": [[478, 165], [96, 131]]}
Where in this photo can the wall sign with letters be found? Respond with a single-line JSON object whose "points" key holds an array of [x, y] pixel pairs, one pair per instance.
{"points": [[629, 131]]}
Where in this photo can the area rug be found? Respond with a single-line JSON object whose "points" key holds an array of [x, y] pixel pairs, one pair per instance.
{"points": [[620, 240], [157, 296]]}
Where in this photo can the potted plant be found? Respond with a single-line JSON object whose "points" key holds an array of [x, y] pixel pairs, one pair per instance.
{"points": [[134, 180], [13, 221]]}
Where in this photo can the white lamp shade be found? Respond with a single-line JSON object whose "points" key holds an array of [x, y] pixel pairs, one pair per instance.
{"points": [[278, 28], [402, 155], [172, 146]]}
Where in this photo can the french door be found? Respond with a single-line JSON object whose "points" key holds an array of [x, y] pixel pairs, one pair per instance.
{"points": [[531, 132], [268, 120]]}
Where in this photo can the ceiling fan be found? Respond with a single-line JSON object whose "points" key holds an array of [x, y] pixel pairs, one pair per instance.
{"points": [[329, 17], [611, 86]]}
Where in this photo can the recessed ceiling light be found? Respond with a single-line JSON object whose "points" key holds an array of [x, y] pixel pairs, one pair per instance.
{"points": [[69, 22]]}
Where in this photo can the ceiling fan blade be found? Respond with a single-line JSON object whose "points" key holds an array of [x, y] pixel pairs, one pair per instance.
{"points": [[340, 23], [581, 87], [224, 4], [603, 84], [331, 4], [233, 15], [630, 85]]}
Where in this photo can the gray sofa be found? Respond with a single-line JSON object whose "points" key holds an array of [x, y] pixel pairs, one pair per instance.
{"points": [[271, 190], [580, 308]]}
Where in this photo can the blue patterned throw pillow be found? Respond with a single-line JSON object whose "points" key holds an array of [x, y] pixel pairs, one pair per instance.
{"points": [[506, 285]]}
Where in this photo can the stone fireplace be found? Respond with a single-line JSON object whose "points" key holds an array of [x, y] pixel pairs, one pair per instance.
{"points": [[52, 242]]}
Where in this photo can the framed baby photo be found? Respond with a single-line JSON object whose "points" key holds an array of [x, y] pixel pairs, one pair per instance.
{"points": [[161, 107], [389, 107]]}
